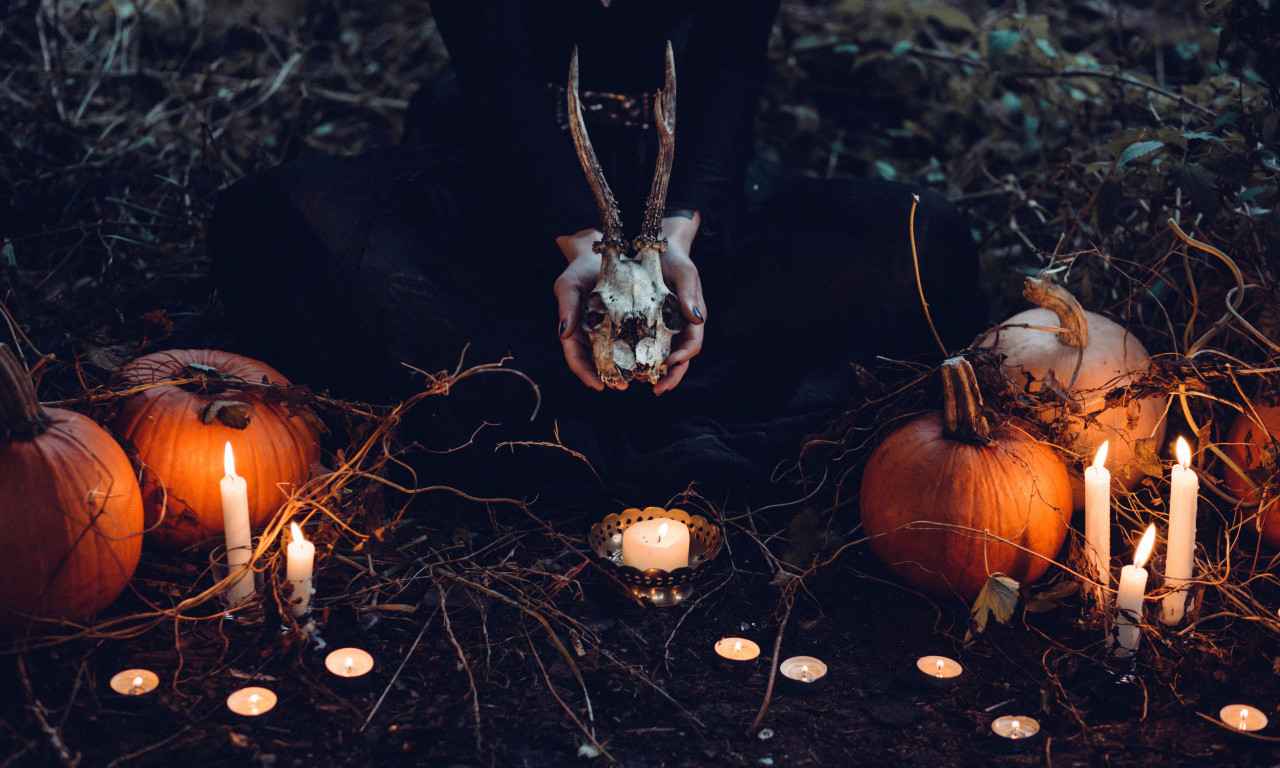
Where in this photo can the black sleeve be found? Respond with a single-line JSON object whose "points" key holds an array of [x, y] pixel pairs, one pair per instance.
{"points": [[717, 93], [513, 122]]}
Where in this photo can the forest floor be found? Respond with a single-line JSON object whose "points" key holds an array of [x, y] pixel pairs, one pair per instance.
{"points": [[1071, 133]]}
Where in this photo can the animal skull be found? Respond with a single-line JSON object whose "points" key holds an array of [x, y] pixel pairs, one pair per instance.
{"points": [[631, 315]]}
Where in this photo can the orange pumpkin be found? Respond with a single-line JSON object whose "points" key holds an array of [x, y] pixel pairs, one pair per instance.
{"points": [[1089, 357], [178, 429], [943, 494], [1255, 449], [70, 511]]}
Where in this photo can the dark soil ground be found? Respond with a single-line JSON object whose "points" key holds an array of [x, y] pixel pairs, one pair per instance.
{"points": [[498, 639]]}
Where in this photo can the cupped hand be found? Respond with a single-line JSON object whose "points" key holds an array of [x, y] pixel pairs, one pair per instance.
{"points": [[681, 276], [572, 287]]}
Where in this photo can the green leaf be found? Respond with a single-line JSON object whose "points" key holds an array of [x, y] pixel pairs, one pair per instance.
{"points": [[1199, 186], [1001, 40], [1249, 194], [1201, 135], [998, 598], [886, 170], [1136, 150], [1047, 47]]}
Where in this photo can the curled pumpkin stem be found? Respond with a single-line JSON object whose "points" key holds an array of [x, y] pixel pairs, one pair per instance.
{"points": [[1058, 300]]}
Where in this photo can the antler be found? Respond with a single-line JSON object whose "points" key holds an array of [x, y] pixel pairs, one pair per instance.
{"points": [[664, 114], [610, 219]]}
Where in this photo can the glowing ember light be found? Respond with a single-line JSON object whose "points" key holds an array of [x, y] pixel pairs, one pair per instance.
{"points": [[1145, 546], [229, 461], [1100, 458], [1183, 451]]}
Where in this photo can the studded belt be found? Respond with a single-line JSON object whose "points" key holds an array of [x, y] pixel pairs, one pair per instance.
{"points": [[604, 108]]}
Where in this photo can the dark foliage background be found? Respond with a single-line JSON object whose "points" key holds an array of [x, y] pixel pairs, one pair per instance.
{"points": [[1071, 132]]}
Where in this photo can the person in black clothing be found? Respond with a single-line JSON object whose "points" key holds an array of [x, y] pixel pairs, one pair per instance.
{"points": [[479, 227]]}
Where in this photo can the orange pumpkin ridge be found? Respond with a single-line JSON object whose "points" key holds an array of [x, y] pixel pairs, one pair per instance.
{"points": [[71, 511], [1255, 449], [945, 511], [182, 456]]}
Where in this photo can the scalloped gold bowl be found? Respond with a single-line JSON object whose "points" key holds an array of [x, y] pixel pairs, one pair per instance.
{"points": [[655, 586]]}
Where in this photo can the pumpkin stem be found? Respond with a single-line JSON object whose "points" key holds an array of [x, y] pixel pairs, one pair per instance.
{"points": [[962, 417], [1058, 300], [21, 415]]}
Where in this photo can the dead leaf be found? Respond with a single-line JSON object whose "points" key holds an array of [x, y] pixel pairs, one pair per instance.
{"points": [[231, 413], [1145, 457], [998, 598]]}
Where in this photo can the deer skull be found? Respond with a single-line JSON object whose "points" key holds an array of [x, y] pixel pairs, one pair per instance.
{"points": [[631, 315]]}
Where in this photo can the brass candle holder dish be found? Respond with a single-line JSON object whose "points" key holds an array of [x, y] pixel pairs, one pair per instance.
{"points": [[655, 586]]}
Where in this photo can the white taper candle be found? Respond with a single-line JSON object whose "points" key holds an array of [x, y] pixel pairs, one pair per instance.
{"points": [[1133, 586], [235, 524], [1180, 557], [1097, 520]]}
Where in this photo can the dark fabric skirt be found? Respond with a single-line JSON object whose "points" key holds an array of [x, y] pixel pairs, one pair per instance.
{"points": [[343, 271]]}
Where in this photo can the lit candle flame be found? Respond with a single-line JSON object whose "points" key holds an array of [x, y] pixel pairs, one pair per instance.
{"points": [[229, 461], [1100, 458], [351, 665], [253, 703], [804, 671], [296, 531], [737, 647], [137, 685], [1145, 546], [939, 672], [1244, 719], [1183, 451], [662, 531], [1015, 729]]}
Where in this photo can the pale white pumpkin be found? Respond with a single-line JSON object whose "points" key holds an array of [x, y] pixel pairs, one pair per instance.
{"points": [[1084, 355]]}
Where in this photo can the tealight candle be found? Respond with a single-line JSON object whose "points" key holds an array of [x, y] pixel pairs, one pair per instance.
{"points": [[939, 671], [737, 653], [1133, 585], [1181, 555], [1097, 519], [1015, 730], [660, 543], [235, 524], [298, 571], [134, 682], [803, 673], [349, 662], [251, 702], [1243, 718]]}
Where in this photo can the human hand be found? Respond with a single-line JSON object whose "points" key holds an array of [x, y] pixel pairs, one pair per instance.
{"points": [[572, 287], [681, 276]]}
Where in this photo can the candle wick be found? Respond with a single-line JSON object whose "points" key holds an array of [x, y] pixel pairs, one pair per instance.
{"points": [[350, 665], [939, 674], [1244, 718]]}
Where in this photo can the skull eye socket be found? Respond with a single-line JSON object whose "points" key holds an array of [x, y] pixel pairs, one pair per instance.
{"points": [[671, 316], [594, 314]]}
